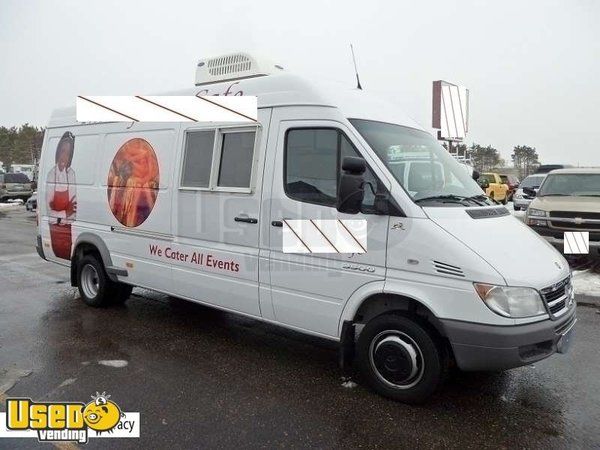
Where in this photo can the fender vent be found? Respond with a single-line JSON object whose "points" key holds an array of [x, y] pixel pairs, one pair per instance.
{"points": [[448, 269]]}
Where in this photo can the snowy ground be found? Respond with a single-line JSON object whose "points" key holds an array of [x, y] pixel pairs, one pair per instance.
{"points": [[11, 204], [587, 282], [518, 214]]}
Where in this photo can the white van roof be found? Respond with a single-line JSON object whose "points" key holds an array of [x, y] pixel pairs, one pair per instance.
{"points": [[284, 89]]}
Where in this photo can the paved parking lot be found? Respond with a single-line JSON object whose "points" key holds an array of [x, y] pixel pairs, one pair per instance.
{"points": [[204, 379]]}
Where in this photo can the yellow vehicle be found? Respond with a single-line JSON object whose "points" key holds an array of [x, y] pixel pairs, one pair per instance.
{"points": [[494, 187]]}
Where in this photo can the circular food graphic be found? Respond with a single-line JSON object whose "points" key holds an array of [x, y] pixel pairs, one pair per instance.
{"points": [[133, 181]]}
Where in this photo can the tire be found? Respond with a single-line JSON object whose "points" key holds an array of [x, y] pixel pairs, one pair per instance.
{"points": [[95, 287], [401, 359], [505, 201]]}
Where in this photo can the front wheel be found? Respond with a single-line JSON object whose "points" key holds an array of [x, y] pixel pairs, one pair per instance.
{"points": [[400, 358]]}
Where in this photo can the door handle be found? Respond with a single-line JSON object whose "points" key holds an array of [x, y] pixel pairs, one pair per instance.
{"points": [[246, 219], [277, 223]]}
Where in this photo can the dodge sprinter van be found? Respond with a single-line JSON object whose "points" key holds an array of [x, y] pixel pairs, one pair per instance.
{"points": [[195, 210]]}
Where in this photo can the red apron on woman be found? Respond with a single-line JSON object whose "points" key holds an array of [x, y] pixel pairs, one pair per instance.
{"points": [[60, 233]]}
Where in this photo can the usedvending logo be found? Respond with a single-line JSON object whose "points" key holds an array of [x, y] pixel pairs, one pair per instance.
{"points": [[68, 421]]}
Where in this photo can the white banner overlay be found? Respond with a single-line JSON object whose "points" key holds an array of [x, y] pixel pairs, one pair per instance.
{"points": [[325, 236], [128, 427], [576, 243], [166, 108]]}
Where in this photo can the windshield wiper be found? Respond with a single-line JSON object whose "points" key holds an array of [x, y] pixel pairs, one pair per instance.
{"points": [[474, 199], [452, 198]]}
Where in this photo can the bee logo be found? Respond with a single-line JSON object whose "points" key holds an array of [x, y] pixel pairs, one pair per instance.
{"points": [[102, 414]]}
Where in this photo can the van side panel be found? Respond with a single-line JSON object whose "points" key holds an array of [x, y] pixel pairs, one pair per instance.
{"points": [[217, 234], [115, 185]]}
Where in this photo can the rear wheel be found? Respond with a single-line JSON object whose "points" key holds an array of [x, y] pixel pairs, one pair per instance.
{"points": [[400, 358], [95, 287]]}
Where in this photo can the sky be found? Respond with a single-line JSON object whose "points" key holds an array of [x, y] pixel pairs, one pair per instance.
{"points": [[532, 67]]}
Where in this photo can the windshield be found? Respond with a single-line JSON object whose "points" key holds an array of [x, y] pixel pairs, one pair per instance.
{"points": [[532, 182], [16, 178], [581, 184], [420, 164]]}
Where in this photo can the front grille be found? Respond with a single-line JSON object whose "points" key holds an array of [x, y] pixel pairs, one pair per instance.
{"points": [[566, 220], [557, 296], [573, 214], [557, 307], [575, 226]]}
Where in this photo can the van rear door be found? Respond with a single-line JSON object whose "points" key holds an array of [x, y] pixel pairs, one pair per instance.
{"points": [[309, 290]]}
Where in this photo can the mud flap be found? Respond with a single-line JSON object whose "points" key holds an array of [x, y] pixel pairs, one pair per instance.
{"points": [[347, 346]]}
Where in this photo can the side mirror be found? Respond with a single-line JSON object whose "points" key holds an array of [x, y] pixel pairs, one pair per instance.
{"points": [[475, 175], [529, 191], [483, 183], [351, 190]]}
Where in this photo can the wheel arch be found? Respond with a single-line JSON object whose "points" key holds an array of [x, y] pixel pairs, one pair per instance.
{"points": [[376, 302], [89, 243], [385, 303]]}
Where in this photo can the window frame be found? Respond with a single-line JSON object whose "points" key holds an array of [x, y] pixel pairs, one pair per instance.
{"points": [[216, 154], [340, 132]]}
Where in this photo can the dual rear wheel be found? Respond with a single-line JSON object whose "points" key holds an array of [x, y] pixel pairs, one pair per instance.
{"points": [[95, 286]]}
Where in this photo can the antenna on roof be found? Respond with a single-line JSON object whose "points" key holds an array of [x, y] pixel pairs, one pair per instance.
{"points": [[358, 86]]}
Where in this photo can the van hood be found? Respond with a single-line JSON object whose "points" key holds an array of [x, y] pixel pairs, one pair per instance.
{"points": [[519, 254], [574, 204]]}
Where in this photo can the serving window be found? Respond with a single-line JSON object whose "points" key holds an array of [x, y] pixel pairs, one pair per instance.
{"points": [[221, 159]]}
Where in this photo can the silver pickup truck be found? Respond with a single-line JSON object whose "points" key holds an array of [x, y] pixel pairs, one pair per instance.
{"points": [[567, 200]]}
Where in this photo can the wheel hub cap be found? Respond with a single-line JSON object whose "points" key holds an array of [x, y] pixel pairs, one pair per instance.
{"points": [[397, 359], [90, 282]]}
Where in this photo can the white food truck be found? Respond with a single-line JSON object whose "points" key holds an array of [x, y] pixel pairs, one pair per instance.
{"points": [[196, 210]]}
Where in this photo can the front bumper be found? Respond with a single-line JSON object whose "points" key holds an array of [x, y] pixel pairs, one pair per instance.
{"points": [[556, 237], [491, 347]]}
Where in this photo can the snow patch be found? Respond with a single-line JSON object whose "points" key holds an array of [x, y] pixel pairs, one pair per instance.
{"points": [[349, 384], [517, 214], [67, 382], [9, 206], [586, 282], [113, 362]]}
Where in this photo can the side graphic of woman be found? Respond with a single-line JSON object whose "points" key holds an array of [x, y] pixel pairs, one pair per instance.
{"points": [[61, 197]]}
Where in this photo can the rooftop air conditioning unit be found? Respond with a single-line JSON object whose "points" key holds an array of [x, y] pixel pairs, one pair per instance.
{"points": [[233, 67]]}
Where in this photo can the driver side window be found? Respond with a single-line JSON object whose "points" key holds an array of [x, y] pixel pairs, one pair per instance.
{"points": [[312, 166]]}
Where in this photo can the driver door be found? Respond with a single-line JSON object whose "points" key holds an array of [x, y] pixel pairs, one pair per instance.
{"points": [[309, 290]]}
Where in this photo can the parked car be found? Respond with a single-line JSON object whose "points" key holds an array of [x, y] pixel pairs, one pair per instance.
{"points": [[31, 204], [512, 182], [496, 189], [545, 168], [521, 200], [14, 186], [568, 200]]}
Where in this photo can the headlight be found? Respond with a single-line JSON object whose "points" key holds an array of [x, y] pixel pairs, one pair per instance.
{"points": [[534, 217], [511, 301], [518, 195]]}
